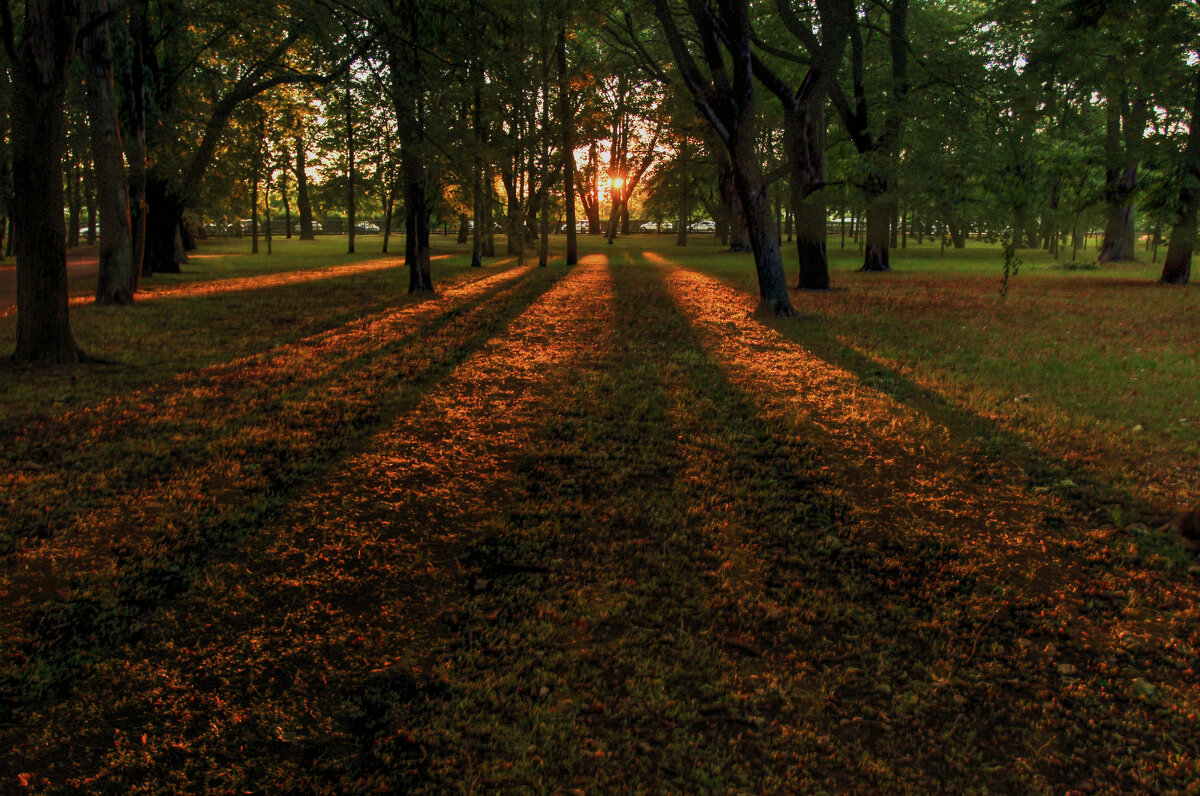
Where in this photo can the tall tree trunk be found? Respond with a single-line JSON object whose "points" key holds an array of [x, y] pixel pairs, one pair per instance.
{"points": [[267, 212], [350, 197], [303, 206], [489, 224], [89, 191], [879, 213], [685, 193], [739, 237], [42, 59], [117, 278], [804, 145], [567, 120], [416, 223], [283, 195], [591, 197], [389, 202], [254, 211], [135, 140], [74, 202], [1177, 267], [1124, 128]]}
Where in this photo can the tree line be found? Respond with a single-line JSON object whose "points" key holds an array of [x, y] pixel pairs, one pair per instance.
{"points": [[1035, 124]]}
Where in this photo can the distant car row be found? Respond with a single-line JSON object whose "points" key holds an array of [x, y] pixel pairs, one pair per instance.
{"points": [[667, 226]]}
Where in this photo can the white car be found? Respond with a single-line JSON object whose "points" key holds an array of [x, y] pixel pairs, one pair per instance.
{"points": [[703, 226]]}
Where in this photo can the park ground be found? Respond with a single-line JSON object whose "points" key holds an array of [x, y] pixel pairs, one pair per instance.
{"points": [[601, 529]]}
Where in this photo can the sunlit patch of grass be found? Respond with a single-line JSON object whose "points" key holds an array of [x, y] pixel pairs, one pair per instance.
{"points": [[307, 654], [1092, 367], [145, 486]]}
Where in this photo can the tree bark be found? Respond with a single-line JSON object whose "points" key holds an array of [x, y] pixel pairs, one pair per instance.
{"points": [[1177, 267], [1124, 129], [303, 205], [566, 118], [879, 213], [350, 197], [416, 223], [685, 193], [74, 201], [117, 278], [40, 64], [804, 144]]}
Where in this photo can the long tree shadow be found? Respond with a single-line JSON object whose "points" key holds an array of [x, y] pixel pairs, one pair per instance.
{"points": [[1089, 494], [676, 588], [220, 489]]}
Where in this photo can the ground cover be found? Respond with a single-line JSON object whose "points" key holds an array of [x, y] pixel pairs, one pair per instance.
{"points": [[1094, 368], [596, 529]]}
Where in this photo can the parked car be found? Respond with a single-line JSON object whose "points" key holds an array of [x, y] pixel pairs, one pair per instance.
{"points": [[581, 227], [703, 226], [367, 227]]}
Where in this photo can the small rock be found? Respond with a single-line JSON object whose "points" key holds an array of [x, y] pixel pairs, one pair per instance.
{"points": [[1138, 429], [543, 691], [1023, 398], [1144, 688], [1066, 669]]}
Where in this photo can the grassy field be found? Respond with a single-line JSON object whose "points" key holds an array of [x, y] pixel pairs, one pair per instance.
{"points": [[601, 529]]}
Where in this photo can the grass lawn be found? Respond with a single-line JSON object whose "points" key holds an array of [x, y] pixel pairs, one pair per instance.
{"points": [[600, 529]]}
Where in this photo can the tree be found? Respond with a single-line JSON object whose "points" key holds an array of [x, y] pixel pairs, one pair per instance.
{"points": [[118, 274], [41, 58], [723, 91], [804, 124], [1177, 267], [879, 145]]}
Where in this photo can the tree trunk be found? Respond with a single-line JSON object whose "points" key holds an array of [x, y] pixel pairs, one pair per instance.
{"points": [[267, 213], [809, 214], [685, 194], [254, 211], [303, 206], [958, 236], [567, 120], [416, 223], [1177, 267], [463, 228], [389, 202], [879, 213], [350, 197], [163, 217], [117, 278], [804, 145], [90, 203], [74, 201], [1124, 128], [764, 240], [135, 96], [283, 195], [489, 225], [38, 140], [739, 236]]}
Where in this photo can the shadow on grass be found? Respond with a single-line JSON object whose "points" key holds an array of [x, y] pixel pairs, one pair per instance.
{"points": [[1091, 496], [100, 610]]}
